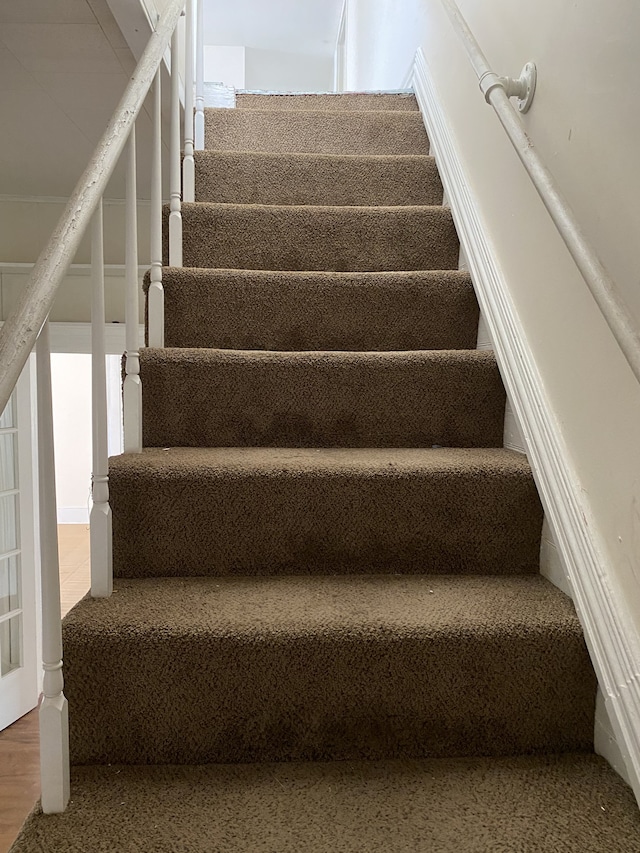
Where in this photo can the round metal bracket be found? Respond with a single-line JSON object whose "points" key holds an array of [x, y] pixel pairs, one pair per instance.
{"points": [[527, 81]]}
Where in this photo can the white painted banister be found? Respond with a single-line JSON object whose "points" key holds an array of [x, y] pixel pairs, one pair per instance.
{"points": [[155, 296], [188, 163], [199, 117], [132, 393], [100, 518], [19, 332], [53, 714], [602, 287], [175, 215]]}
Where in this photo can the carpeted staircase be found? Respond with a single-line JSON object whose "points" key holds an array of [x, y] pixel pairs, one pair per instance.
{"points": [[328, 631]]}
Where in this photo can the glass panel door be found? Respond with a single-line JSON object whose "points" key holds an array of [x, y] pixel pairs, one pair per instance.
{"points": [[18, 616]]}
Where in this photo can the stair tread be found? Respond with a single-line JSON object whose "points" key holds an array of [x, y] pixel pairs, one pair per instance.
{"points": [[255, 511], [369, 606], [317, 131], [331, 462], [328, 101], [293, 310], [318, 237], [327, 668], [278, 178], [220, 397], [574, 803]]}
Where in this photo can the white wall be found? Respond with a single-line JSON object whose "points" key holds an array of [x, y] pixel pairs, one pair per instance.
{"points": [[225, 64], [278, 70], [586, 130], [71, 391]]}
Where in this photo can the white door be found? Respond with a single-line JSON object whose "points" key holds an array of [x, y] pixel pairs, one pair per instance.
{"points": [[19, 665]]}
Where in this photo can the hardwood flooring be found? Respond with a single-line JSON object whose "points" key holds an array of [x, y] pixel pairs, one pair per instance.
{"points": [[20, 743]]}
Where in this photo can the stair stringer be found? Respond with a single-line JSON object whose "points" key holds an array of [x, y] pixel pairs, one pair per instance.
{"points": [[609, 631]]}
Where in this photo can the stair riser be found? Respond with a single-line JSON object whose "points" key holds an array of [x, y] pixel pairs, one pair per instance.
{"points": [[225, 522], [318, 238], [312, 311], [242, 178], [327, 697], [310, 132], [221, 398]]}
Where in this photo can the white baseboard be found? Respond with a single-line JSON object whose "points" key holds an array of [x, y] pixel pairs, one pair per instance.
{"points": [[599, 603]]}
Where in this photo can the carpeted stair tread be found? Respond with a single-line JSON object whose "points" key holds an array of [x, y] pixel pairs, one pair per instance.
{"points": [[310, 237], [326, 668], [231, 177], [282, 310], [351, 101], [316, 131], [572, 803], [235, 398], [268, 511]]}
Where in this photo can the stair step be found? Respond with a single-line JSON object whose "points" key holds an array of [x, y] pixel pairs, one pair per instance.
{"points": [[264, 310], [571, 803], [270, 511], [231, 177], [237, 398], [309, 237], [316, 131], [326, 668], [327, 101]]}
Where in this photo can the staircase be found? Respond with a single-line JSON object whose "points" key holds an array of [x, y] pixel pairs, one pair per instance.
{"points": [[328, 631]]}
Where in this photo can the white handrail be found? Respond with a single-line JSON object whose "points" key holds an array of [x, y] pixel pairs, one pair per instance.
{"points": [[603, 289], [18, 334]]}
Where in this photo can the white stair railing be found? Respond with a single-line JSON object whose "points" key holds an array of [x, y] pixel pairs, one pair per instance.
{"points": [[100, 518], [175, 186], [27, 327], [188, 164], [132, 399]]}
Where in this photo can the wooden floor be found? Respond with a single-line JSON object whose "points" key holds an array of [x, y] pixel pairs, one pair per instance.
{"points": [[19, 744]]}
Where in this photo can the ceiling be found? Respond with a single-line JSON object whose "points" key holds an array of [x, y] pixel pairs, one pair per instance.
{"points": [[64, 65]]}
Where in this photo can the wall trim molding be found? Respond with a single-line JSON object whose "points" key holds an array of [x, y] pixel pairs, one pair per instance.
{"points": [[54, 199], [609, 631]]}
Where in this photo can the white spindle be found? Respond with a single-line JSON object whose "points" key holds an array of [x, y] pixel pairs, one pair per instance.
{"points": [[132, 396], [199, 118], [188, 163], [100, 519], [155, 296], [175, 215], [54, 714]]}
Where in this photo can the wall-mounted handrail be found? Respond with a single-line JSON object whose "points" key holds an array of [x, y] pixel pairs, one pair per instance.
{"points": [[18, 334], [602, 287]]}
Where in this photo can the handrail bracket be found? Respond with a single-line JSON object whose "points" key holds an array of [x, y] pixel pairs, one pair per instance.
{"points": [[523, 88]]}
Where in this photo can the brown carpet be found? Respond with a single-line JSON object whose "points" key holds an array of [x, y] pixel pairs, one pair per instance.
{"points": [[228, 177], [280, 310], [549, 804], [234, 398], [326, 668], [306, 237], [256, 511], [351, 101], [324, 554], [316, 131]]}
